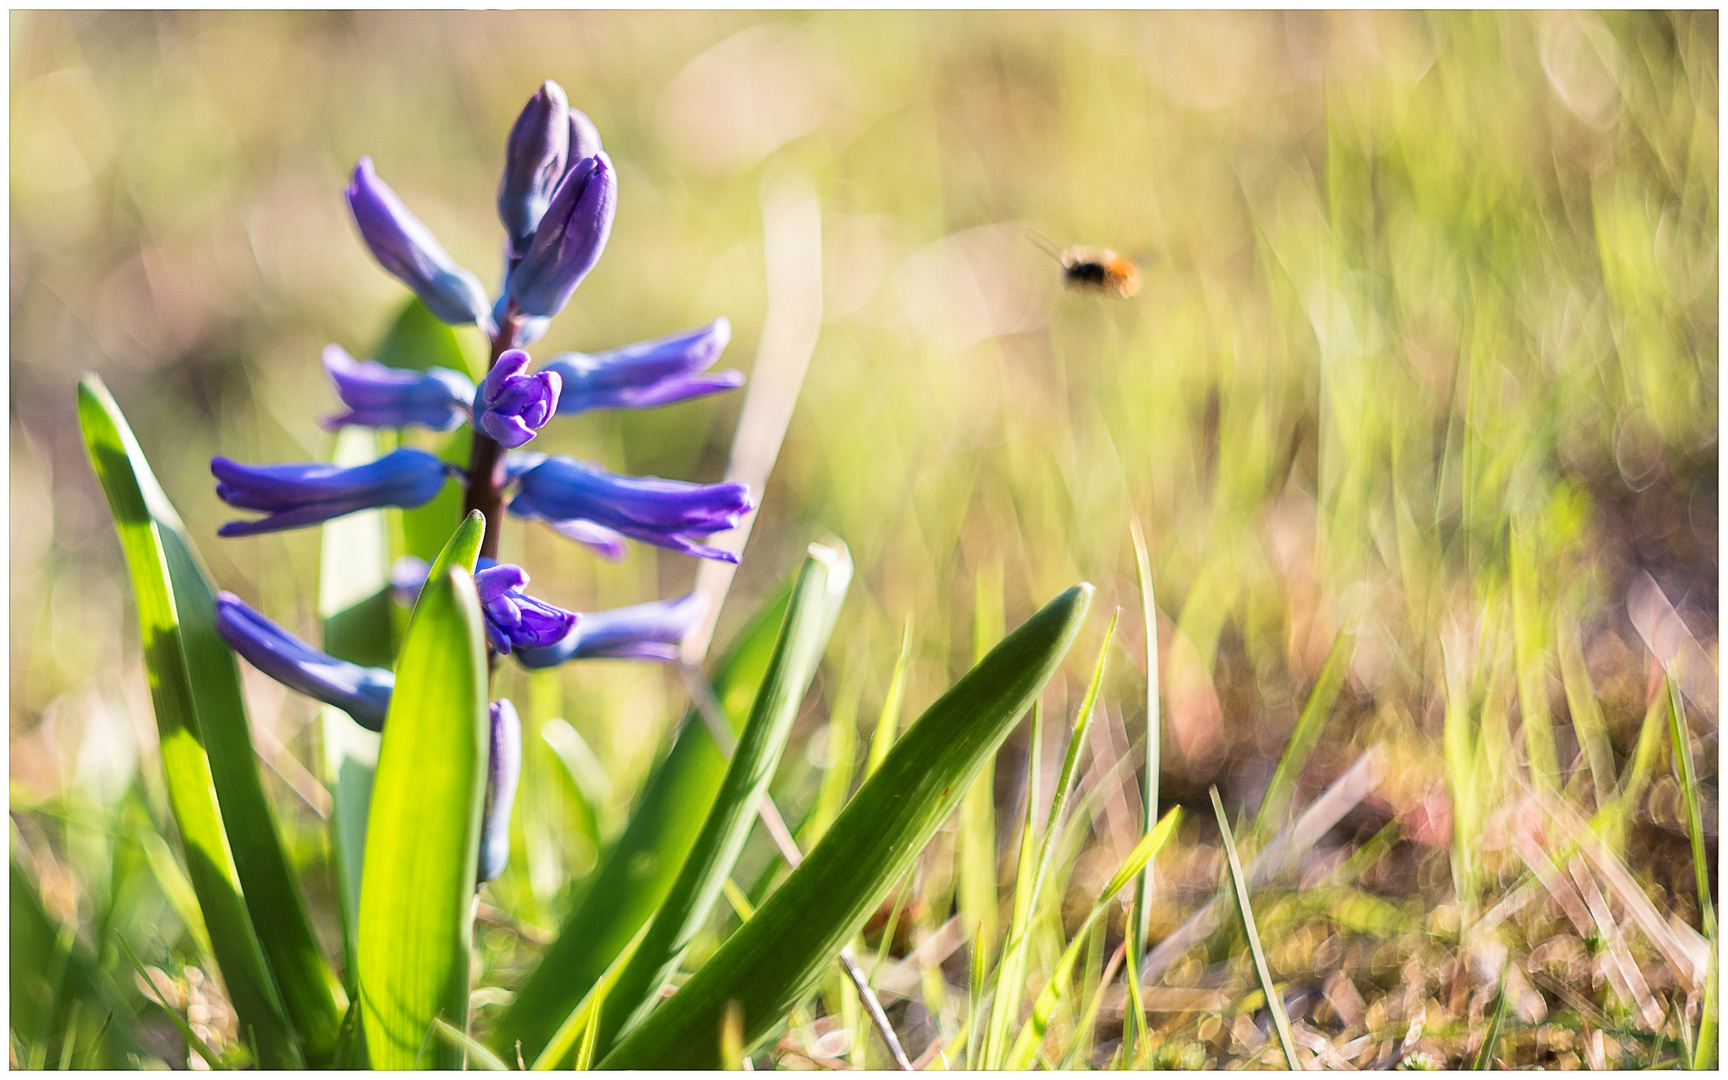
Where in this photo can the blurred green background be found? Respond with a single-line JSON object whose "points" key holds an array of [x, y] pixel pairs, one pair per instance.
{"points": [[1422, 296]]}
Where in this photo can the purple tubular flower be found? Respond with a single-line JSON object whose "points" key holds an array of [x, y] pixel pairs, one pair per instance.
{"points": [[667, 513], [379, 396], [513, 406], [306, 494], [503, 770], [584, 136], [648, 373], [534, 161], [569, 240], [408, 250], [361, 692], [513, 618], [649, 631]]}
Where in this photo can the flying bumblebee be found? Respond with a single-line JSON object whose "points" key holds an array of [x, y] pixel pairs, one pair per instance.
{"points": [[1098, 269]]}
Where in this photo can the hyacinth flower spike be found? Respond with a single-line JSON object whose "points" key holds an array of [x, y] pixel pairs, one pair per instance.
{"points": [[512, 405], [648, 373], [503, 770], [666, 513], [569, 239], [534, 162], [648, 631], [361, 692], [309, 493], [387, 397], [407, 249]]}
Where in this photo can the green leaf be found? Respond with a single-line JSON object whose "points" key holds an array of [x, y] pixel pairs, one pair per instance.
{"points": [[821, 584], [359, 625], [888, 722], [418, 339], [1239, 883], [206, 751], [1154, 731], [777, 957], [635, 874], [423, 833]]}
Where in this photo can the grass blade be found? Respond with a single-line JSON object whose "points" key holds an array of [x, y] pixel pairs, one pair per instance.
{"points": [[1013, 970], [1154, 730], [1032, 1034], [888, 722], [976, 844], [633, 995], [1686, 772], [423, 832], [193, 1042], [151, 536], [1502, 1003], [635, 874], [1307, 732], [772, 961], [474, 1055], [1239, 881]]}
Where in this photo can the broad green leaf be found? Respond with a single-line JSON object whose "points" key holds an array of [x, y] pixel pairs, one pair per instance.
{"points": [[1239, 889], [423, 833], [635, 874], [359, 625], [820, 586], [1032, 1034], [206, 749], [773, 960], [418, 339]]}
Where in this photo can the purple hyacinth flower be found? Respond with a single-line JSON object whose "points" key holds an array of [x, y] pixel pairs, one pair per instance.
{"points": [[584, 137], [569, 239], [361, 692], [534, 162], [408, 250], [647, 373], [379, 396], [667, 513], [513, 406], [648, 631], [513, 618], [306, 494], [503, 770]]}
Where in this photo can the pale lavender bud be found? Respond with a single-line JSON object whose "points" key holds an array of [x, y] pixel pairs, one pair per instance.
{"points": [[379, 396], [407, 249], [503, 771], [648, 373], [569, 239], [512, 406], [534, 161], [584, 136]]}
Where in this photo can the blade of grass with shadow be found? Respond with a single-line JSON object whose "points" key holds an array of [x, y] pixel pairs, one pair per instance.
{"points": [[1154, 732], [1703, 1052], [636, 872], [423, 831], [825, 573], [192, 752], [772, 961], [1239, 883]]}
